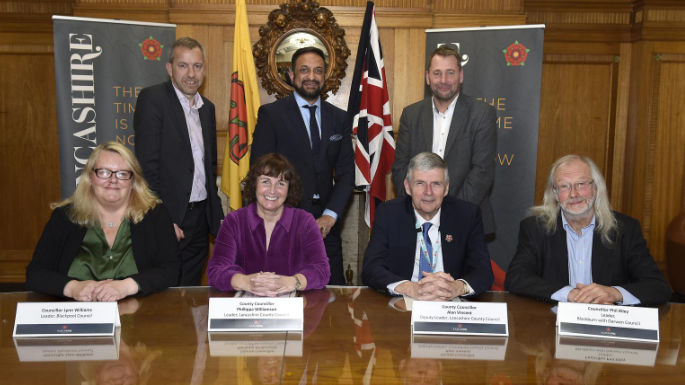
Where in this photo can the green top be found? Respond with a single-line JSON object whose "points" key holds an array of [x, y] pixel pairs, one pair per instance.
{"points": [[96, 261]]}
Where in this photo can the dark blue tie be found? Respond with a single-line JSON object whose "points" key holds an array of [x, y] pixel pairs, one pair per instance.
{"points": [[426, 265], [314, 131]]}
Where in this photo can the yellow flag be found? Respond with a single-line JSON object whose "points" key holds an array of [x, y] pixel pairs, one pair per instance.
{"points": [[242, 115]]}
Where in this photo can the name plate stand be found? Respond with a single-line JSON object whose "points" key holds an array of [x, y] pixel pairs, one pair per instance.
{"points": [[251, 314], [608, 321], [460, 318], [51, 319]]}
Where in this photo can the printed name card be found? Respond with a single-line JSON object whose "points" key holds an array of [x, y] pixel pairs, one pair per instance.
{"points": [[272, 344], [459, 347], [608, 321], [49, 319], [251, 314], [466, 318], [606, 351]]}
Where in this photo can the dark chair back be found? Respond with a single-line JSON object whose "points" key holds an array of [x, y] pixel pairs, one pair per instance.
{"points": [[675, 253]]}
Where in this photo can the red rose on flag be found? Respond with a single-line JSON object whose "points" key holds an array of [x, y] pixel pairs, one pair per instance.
{"points": [[151, 49], [237, 121], [516, 54]]}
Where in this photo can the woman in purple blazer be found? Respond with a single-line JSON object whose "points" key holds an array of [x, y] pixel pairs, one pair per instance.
{"points": [[269, 247]]}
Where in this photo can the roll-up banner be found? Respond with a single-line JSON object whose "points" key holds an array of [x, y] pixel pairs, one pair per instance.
{"points": [[503, 67], [100, 67]]}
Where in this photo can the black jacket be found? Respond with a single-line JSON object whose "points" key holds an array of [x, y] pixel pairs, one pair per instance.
{"points": [[540, 266], [155, 250], [163, 149]]}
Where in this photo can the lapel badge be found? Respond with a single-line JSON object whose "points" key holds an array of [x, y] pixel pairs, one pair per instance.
{"points": [[448, 238]]}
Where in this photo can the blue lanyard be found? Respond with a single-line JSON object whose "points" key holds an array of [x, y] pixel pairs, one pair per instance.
{"points": [[424, 250]]}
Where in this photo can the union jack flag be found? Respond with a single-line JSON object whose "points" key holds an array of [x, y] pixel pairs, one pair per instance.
{"points": [[369, 111]]}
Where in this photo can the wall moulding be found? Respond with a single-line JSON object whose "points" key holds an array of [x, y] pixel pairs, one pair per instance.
{"points": [[26, 49], [478, 6]]}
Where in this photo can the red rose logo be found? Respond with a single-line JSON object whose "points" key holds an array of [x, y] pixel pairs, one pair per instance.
{"points": [[237, 121], [516, 54], [151, 49], [64, 327], [608, 329]]}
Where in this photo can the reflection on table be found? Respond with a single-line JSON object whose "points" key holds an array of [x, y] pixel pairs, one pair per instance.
{"points": [[351, 336]]}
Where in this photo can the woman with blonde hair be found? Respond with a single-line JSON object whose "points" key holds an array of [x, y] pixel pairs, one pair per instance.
{"points": [[111, 239]]}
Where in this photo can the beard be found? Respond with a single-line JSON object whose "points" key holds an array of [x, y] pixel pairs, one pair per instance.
{"points": [[580, 212], [308, 95], [449, 96]]}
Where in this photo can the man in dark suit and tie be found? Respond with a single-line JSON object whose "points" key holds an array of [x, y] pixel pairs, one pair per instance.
{"points": [[462, 130], [427, 245], [312, 134], [176, 145], [575, 248]]}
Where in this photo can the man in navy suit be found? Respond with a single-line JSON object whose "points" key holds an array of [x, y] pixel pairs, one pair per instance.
{"points": [[428, 245], [175, 130], [312, 134]]}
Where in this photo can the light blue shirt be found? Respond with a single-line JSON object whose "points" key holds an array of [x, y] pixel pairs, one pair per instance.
{"points": [[580, 262], [197, 144], [306, 115]]}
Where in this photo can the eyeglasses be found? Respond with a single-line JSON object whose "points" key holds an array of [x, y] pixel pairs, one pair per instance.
{"points": [[580, 186], [104, 173]]}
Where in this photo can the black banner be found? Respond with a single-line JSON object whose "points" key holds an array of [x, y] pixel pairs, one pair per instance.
{"points": [[100, 67], [503, 67]]}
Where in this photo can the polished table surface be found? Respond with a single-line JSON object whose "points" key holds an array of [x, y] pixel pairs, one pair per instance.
{"points": [[351, 336]]}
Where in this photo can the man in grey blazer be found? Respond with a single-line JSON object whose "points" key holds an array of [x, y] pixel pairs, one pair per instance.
{"points": [[459, 128]]}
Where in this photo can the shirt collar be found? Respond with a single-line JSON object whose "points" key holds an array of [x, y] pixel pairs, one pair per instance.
{"points": [[567, 226], [254, 220], [184, 100], [435, 220], [301, 102], [449, 108]]}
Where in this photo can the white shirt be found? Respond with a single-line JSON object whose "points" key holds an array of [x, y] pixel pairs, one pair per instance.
{"points": [[441, 127]]}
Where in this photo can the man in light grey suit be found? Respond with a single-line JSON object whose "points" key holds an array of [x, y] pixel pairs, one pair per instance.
{"points": [[459, 128]]}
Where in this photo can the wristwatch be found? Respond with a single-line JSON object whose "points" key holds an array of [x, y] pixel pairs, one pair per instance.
{"points": [[298, 285], [467, 288]]}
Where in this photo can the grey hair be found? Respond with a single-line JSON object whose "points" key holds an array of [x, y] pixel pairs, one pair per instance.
{"points": [[187, 43], [548, 211], [427, 161]]}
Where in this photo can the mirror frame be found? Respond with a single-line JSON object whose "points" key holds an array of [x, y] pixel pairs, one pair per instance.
{"points": [[292, 17]]}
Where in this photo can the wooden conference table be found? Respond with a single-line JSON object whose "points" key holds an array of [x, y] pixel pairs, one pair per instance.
{"points": [[352, 336]]}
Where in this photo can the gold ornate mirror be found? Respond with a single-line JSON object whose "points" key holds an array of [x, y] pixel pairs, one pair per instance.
{"points": [[297, 24]]}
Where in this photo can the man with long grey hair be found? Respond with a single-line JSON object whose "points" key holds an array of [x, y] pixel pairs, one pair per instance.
{"points": [[574, 248], [428, 245]]}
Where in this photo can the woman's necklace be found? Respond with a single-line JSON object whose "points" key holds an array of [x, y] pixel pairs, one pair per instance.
{"points": [[111, 224]]}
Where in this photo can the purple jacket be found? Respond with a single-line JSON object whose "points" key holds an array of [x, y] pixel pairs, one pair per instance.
{"points": [[296, 247]]}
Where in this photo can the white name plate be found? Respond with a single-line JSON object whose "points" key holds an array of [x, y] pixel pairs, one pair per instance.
{"points": [[606, 351], [68, 349], [275, 344], [608, 321], [50, 319], [465, 318], [256, 314], [459, 347]]}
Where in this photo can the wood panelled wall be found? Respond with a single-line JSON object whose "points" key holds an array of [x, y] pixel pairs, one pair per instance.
{"points": [[613, 88]]}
